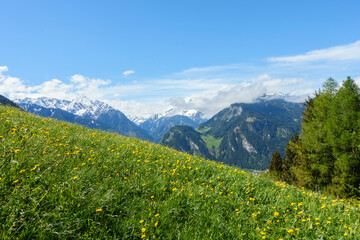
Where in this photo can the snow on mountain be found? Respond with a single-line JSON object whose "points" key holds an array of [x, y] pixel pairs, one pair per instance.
{"points": [[85, 107], [193, 114], [137, 120], [272, 95], [81, 106]]}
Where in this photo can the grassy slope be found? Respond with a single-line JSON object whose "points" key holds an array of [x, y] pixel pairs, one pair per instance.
{"points": [[60, 180]]}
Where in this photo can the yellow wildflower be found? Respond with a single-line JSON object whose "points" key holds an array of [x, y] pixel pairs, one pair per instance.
{"points": [[98, 210]]}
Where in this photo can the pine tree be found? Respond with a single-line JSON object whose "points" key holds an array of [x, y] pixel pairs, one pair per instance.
{"points": [[276, 167], [344, 138], [314, 137]]}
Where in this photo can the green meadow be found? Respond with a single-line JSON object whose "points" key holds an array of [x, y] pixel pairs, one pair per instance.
{"points": [[64, 181]]}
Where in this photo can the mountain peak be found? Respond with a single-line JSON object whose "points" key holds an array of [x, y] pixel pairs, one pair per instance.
{"points": [[271, 96], [80, 106]]}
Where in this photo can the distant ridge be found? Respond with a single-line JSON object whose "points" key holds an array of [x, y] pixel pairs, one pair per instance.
{"points": [[89, 113], [6, 101], [244, 134]]}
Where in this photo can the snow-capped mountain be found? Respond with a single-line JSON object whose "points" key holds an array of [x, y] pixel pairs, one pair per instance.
{"points": [[273, 95], [193, 114], [137, 120], [95, 114], [81, 106], [159, 124]]}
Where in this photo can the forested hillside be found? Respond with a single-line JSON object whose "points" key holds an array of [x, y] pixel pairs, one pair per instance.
{"points": [[326, 154]]}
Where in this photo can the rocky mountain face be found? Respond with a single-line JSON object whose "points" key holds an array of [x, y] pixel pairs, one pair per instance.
{"points": [[93, 114], [246, 134], [186, 139]]}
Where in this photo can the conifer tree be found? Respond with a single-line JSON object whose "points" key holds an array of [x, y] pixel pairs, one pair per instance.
{"points": [[314, 137], [344, 131], [276, 167]]}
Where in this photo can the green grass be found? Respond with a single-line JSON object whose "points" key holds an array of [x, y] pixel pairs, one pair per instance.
{"points": [[211, 141], [63, 181], [203, 130]]}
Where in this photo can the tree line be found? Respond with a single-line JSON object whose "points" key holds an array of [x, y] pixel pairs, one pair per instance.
{"points": [[325, 155]]}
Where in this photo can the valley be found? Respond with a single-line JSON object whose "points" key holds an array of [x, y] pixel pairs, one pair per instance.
{"points": [[244, 134]]}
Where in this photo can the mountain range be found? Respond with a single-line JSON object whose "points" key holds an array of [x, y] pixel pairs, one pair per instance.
{"points": [[93, 114], [97, 114], [244, 134]]}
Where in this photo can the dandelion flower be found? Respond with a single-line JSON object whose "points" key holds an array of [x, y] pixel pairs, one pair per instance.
{"points": [[141, 221], [98, 210], [75, 177], [143, 229], [276, 214]]}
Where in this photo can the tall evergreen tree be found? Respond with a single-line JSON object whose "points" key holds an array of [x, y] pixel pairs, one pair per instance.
{"points": [[344, 130], [314, 137], [276, 167]]}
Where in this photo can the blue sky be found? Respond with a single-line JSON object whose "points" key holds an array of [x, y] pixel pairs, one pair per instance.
{"points": [[144, 57]]}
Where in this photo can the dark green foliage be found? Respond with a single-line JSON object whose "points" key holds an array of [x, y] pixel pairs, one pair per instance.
{"points": [[276, 167], [327, 154]]}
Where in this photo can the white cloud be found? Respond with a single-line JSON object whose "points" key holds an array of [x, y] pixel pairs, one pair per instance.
{"points": [[337, 53], [209, 69], [3, 69], [357, 80], [214, 100], [145, 98], [207, 89], [128, 72]]}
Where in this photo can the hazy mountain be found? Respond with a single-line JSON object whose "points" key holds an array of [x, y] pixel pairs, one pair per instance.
{"points": [[246, 134], [158, 126], [6, 101], [94, 114]]}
